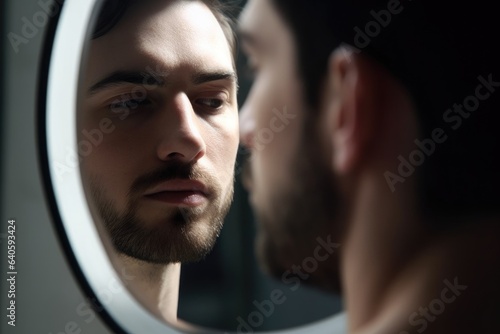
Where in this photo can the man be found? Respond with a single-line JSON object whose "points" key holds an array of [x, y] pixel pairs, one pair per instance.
{"points": [[384, 182], [158, 136]]}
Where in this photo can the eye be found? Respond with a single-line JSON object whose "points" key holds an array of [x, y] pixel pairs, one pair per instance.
{"points": [[212, 103], [128, 104]]}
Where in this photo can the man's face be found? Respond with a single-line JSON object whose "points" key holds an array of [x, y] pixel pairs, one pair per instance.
{"points": [[158, 108], [291, 188]]}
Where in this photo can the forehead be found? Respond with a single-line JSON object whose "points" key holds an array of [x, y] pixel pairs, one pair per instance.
{"points": [[161, 34], [261, 26]]}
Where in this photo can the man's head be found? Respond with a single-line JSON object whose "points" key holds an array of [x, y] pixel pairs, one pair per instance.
{"points": [[372, 87], [289, 200], [158, 126]]}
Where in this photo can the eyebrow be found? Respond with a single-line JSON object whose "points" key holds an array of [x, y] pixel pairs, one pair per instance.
{"points": [[204, 77], [125, 77], [142, 78]]}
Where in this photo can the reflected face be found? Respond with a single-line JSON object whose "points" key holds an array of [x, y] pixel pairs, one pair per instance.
{"points": [[292, 189], [158, 116]]}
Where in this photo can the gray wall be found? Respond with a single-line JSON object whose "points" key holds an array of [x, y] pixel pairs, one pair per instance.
{"points": [[46, 293]]}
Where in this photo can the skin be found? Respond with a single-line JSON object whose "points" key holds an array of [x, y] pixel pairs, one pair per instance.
{"points": [[391, 263], [190, 118], [277, 165], [276, 192]]}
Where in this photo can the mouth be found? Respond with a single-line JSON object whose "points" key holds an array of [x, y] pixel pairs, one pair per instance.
{"points": [[179, 192]]}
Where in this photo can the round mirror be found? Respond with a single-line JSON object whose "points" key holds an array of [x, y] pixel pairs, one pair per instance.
{"points": [[139, 134]]}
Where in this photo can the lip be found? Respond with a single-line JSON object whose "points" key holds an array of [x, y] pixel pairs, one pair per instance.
{"points": [[179, 192], [179, 185]]}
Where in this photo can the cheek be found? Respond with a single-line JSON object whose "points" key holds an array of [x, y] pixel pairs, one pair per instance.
{"points": [[277, 110], [113, 158], [271, 166], [109, 153]]}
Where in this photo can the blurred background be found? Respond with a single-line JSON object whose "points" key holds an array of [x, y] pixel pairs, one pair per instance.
{"points": [[214, 292]]}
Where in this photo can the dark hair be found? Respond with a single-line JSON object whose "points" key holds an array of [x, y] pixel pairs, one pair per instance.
{"points": [[438, 50], [112, 12]]}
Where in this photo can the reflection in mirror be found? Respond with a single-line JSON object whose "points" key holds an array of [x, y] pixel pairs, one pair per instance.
{"points": [[158, 103], [157, 126]]}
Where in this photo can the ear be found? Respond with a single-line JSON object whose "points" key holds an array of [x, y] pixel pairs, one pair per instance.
{"points": [[351, 104]]}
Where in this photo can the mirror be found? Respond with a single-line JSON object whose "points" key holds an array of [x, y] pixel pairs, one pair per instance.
{"points": [[112, 184]]}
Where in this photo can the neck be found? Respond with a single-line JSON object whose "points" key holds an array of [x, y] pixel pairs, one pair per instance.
{"points": [[155, 286], [399, 276]]}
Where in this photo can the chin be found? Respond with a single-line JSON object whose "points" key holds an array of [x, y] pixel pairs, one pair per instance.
{"points": [[286, 238], [182, 245]]}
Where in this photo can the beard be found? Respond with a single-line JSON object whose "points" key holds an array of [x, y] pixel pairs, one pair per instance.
{"points": [[304, 209], [184, 235]]}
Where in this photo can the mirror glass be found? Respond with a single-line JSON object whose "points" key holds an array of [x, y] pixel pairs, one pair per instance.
{"points": [[157, 184]]}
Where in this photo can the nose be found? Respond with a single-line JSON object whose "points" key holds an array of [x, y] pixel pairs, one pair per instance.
{"points": [[181, 137], [247, 126]]}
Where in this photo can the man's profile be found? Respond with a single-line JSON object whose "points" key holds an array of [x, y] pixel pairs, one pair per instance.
{"points": [[158, 100], [391, 155]]}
